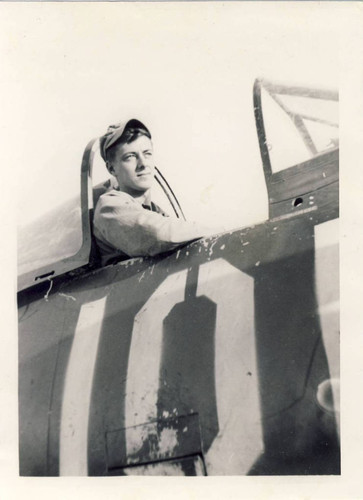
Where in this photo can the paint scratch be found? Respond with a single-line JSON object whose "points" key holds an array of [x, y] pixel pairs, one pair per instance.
{"points": [[67, 296], [211, 247], [168, 441], [295, 214], [142, 276]]}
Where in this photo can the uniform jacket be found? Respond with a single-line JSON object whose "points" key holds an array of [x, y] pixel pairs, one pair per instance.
{"points": [[123, 227]]}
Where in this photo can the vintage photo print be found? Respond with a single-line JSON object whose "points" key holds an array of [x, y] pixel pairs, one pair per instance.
{"points": [[182, 194]]}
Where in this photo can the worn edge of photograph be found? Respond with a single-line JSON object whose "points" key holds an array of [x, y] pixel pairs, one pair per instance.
{"points": [[203, 423]]}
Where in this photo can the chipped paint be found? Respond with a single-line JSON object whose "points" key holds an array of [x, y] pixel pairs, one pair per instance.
{"points": [[142, 276], [136, 439], [211, 247], [246, 243], [258, 263], [168, 441], [209, 240], [294, 214], [223, 247], [67, 296]]}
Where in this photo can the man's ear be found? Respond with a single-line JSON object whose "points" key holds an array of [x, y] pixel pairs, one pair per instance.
{"points": [[110, 168]]}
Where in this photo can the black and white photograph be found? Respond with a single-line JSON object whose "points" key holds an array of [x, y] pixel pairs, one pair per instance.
{"points": [[178, 243]]}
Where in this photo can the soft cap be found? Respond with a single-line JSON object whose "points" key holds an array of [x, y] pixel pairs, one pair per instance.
{"points": [[114, 132]]}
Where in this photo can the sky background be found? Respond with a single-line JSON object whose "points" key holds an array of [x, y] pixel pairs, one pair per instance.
{"points": [[187, 73]]}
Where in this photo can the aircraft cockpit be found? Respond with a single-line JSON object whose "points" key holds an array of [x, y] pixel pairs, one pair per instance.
{"points": [[221, 358], [297, 130]]}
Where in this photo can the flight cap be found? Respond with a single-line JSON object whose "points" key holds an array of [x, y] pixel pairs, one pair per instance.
{"points": [[114, 132]]}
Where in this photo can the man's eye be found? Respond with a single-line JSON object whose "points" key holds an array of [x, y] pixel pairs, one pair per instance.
{"points": [[148, 153], [128, 157]]}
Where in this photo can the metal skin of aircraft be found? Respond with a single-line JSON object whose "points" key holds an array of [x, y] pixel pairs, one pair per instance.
{"points": [[221, 358]]}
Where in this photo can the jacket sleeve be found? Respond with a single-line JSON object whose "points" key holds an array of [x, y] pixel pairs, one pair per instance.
{"points": [[128, 227]]}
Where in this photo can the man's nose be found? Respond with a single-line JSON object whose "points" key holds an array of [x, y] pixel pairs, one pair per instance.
{"points": [[141, 162]]}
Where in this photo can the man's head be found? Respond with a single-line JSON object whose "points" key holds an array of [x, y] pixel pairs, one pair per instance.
{"points": [[128, 152]]}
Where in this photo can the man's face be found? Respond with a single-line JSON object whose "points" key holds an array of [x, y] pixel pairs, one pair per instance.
{"points": [[133, 165]]}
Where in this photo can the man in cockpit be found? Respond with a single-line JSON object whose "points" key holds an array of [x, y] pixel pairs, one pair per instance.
{"points": [[126, 222]]}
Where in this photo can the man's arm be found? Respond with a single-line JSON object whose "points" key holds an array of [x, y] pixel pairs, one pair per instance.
{"points": [[128, 227]]}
